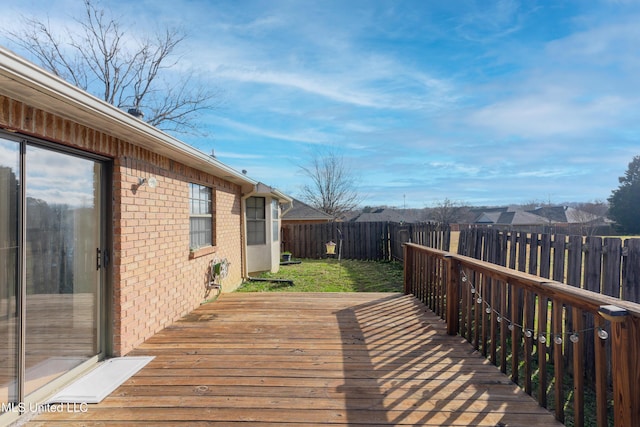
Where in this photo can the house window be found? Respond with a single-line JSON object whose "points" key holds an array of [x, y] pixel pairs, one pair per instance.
{"points": [[274, 217], [200, 216], [256, 221]]}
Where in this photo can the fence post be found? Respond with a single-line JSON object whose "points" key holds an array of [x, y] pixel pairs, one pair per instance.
{"points": [[453, 295], [625, 331]]}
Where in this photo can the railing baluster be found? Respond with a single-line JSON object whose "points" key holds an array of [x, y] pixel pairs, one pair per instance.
{"points": [[477, 316], [420, 278], [484, 316], [435, 283], [516, 332], [495, 295], [503, 327], [469, 310], [441, 290], [527, 317], [601, 375], [558, 358], [578, 368], [433, 291], [542, 351]]}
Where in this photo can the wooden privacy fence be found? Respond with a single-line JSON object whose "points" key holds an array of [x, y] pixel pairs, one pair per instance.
{"points": [[535, 330], [608, 266], [432, 235], [379, 241]]}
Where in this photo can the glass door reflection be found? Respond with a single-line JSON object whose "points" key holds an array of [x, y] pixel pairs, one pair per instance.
{"points": [[9, 268], [63, 216]]}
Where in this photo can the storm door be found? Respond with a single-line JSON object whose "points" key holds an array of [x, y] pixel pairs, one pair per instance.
{"points": [[51, 311]]}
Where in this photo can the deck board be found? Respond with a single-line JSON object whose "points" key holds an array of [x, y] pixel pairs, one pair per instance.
{"points": [[273, 359]]}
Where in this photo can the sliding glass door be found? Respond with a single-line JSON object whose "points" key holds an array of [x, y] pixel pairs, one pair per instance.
{"points": [[50, 301], [9, 268]]}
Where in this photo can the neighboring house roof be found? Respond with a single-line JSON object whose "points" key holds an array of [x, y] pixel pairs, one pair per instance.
{"points": [[543, 215], [22, 80], [520, 218], [392, 215], [301, 211], [488, 217], [552, 213], [566, 214], [482, 210]]}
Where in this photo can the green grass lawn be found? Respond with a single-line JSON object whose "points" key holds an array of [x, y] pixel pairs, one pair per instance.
{"points": [[331, 275]]}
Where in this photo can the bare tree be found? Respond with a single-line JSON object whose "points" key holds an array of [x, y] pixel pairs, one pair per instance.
{"points": [[596, 207], [448, 211], [101, 59], [590, 216], [333, 187]]}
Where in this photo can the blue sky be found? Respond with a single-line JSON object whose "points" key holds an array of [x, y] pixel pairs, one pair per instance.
{"points": [[479, 102]]}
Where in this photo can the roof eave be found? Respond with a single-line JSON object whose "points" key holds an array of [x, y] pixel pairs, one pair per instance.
{"points": [[262, 189]]}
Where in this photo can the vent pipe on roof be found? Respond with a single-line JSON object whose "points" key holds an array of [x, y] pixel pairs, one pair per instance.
{"points": [[136, 112]]}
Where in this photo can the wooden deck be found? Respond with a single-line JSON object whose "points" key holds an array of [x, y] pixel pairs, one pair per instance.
{"points": [[274, 359]]}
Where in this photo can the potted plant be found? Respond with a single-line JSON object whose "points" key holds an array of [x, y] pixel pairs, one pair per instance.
{"points": [[286, 256]]}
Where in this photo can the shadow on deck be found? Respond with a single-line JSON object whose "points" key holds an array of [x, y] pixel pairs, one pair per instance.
{"points": [[273, 359]]}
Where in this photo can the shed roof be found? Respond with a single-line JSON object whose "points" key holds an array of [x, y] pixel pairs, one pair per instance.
{"points": [[302, 211]]}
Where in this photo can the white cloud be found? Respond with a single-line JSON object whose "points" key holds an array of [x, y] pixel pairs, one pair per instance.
{"points": [[549, 114], [308, 136], [232, 155], [484, 21], [544, 173]]}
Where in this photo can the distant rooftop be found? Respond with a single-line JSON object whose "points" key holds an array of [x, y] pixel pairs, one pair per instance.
{"points": [[303, 212], [392, 215]]}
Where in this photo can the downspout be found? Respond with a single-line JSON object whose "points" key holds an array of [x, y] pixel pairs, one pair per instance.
{"points": [[282, 214], [290, 206]]}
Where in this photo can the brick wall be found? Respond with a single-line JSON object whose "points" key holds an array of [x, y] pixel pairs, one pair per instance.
{"points": [[155, 280]]}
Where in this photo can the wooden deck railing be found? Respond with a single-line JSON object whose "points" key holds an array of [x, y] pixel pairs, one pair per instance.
{"points": [[533, 329]]}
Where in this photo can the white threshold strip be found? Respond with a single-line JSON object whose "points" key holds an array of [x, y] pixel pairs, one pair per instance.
{"points": [[101, 381]]}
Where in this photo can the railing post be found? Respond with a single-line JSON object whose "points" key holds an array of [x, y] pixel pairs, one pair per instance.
{"points": [[453, 295], [625, 354], [408, 270]]}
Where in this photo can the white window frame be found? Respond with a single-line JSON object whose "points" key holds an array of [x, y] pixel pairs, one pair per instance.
{"points": [[199, 208], [256, 221]]}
